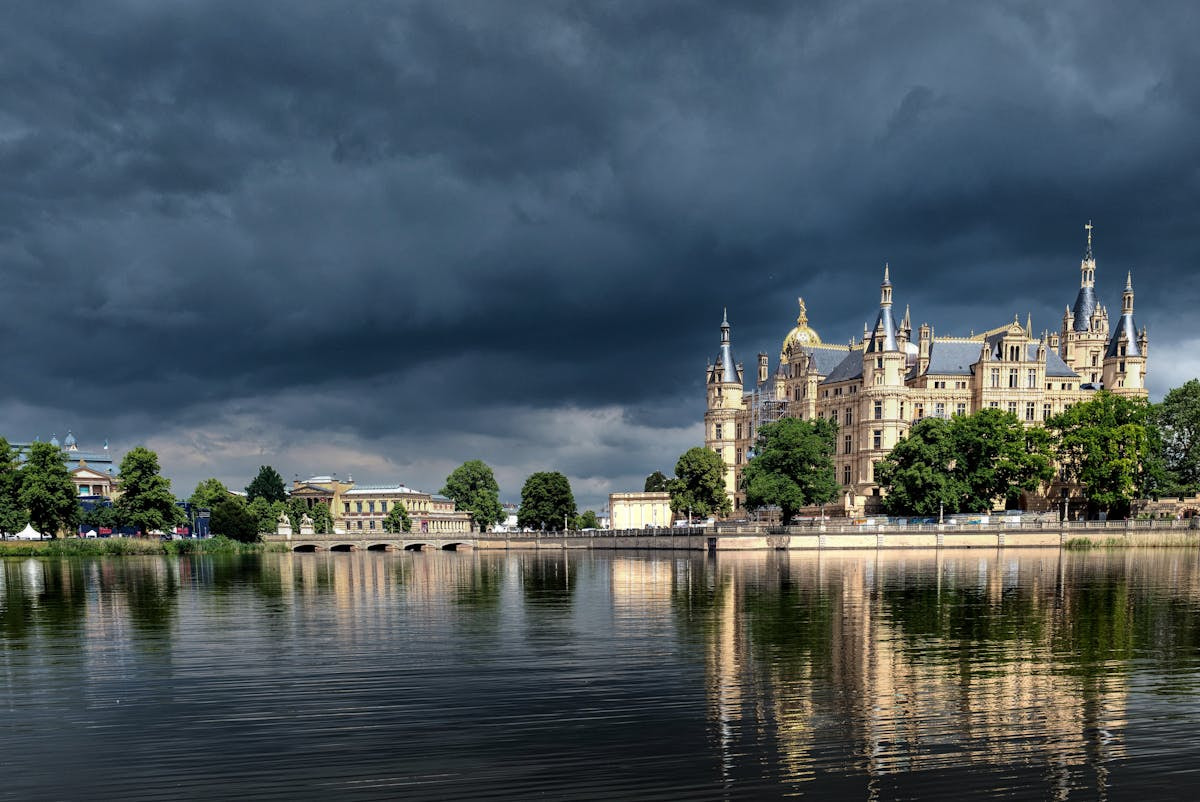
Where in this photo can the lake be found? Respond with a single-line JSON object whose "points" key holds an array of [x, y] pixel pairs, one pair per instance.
{"points": [[600, 675]]}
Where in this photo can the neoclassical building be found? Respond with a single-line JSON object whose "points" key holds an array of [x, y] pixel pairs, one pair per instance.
{"points": [[876, 387], [363, 508]]}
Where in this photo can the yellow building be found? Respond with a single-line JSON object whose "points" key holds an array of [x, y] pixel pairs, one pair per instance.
{"points": [[877, 387], [362, 508], [640, 510]]}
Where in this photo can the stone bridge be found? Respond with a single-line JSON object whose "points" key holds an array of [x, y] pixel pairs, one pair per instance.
{"points": [[374, 542]]}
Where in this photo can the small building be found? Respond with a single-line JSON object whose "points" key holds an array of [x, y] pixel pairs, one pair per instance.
{"points": [[639, 510]]}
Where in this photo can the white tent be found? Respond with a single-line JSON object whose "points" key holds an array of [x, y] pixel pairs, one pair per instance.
{"points": [[28, 533]]}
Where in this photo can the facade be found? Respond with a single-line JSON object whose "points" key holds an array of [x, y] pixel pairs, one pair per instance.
{"points": [[639, 510], [92, 472], [875, 388], [363, 508]]}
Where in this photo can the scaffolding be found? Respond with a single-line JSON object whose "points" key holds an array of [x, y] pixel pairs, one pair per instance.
{"points": [[765, 408]]}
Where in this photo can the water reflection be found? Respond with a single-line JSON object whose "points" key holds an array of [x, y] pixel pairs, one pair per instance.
{"points": [[881, 675]]}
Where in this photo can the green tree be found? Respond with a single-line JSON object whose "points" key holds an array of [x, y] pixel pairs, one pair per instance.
{"points": [[699, 484], [47, 492], [1107, 445], [1177, 419], [546, 501], [102, 514], [266, 513], [966, 464], [268, 484], [146, 501], [232, 518], [13, 515], [297, 508], [792, 466], [917, 473], [472, 487], [657, 482], [588, 520], [322, 520], [208, 494], [397, 520]]}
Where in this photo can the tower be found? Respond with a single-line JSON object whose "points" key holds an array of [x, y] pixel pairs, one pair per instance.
{"points": [[725, 400], [880, 424], [1085, 326], [1125, 357]]}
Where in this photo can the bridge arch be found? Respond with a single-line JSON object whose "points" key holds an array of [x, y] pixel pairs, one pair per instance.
{"points": [[417, 546], [380, 547], [456, 546], [307, 548], [343, 547]]}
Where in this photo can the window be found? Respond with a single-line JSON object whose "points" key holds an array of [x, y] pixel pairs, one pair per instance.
{"points": [[846, 475], [383, 506], [1012, 407], [877, 438], [846, 444], [739, 431], [939, 409], [370, 524], [371, 506], [1031, 380], [1012, 378], [358, 506], [879, 378], [878, 410], [1121, 366], [1045, 411], [853, 389], [961, 409], [346, 504], [360, 524], [849, 416], [1030, 410], [797, 393], [995, 377], [878, 363], [994, 405], [918, 411], [716, 431], [1093, 359]]}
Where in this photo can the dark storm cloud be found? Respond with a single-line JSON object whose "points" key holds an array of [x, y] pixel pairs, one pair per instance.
{"points": [[250, 230]]}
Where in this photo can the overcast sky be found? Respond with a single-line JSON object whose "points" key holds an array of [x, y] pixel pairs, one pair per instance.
{"points": [[380, 238]]}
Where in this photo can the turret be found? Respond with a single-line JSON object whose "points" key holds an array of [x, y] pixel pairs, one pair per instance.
{"points": [[1125, 357], [763, 368]]}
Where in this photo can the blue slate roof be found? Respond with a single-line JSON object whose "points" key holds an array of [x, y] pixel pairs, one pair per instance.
{"points": [[1085, 304], [884, 320], [1127, 327], [1055, 367], [950, 358], [824, 358], [851, 367]]}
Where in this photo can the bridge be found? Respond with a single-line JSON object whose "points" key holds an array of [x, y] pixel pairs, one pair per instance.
{"points": [[373, 542]]}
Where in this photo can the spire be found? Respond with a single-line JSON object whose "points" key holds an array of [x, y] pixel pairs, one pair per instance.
{"points": [[883, 336], [886, 280], [885, 289], [906, 324], [1087, 255], [725, 359], [1029, 323], [1085, 301], [1127, 295], [1129, 281], [1126, 328]]}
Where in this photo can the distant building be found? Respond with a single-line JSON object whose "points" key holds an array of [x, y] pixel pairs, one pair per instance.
{"points": [[509, 524], [92, 472], [876, 388], [639, 510], [363, 508]]}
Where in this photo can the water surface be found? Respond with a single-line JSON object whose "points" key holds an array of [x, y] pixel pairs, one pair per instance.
{"points": [[891, 675]]}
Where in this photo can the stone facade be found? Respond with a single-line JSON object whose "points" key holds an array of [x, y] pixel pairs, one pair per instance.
{"points": [[877, 387], [363, 508]]}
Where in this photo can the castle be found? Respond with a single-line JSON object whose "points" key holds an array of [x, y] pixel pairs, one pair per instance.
{"points": [[877, 387]]}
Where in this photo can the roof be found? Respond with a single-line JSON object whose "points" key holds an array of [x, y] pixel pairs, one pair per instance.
{"points": [[374, 490], [1127, 327], [824, 358], [953, 357], [851, 367], [1055, 367], [884, 320], [1085, 304]]}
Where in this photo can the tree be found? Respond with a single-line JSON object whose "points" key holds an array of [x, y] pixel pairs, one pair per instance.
{"points": [[232, 518], [268, 485], [318, 513], [588, 520], [13, 516], [657, 482], [266, 513], [47, 492], [917, 474], [472, 487], [546, 502], [792, 466], [322, 520], [208, 494], [699, 484], [1177, 419], [102, 515], [966, 464], [1106, 444], [146, 501], [397, 520]]}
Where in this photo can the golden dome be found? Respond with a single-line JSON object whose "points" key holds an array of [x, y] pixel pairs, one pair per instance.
{"points": [[800, 334]]}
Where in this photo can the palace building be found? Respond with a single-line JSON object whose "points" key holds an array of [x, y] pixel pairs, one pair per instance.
{"points": [[363, 508], [877, 387]]}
